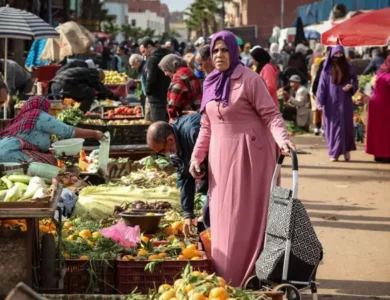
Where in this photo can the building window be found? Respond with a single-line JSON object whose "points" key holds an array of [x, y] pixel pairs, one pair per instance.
{"points": [[133, 22]]}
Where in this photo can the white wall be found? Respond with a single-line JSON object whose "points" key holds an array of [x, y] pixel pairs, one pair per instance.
{"points": [[120, 11], [146, 20]]}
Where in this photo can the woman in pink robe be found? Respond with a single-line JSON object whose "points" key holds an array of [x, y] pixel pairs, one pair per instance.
{"points": [[378, 132], [239, 127]]}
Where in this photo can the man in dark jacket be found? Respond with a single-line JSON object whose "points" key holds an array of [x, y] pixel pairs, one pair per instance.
{"points": [[375, 63], [82, 85], [157, 83], [178, 140]]}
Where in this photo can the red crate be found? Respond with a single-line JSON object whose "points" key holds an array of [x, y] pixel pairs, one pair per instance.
{"points": [[46, 73], [132, 274], [89, 277]]}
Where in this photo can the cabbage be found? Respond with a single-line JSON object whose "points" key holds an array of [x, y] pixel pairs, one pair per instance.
{"points": [[99, 201]]}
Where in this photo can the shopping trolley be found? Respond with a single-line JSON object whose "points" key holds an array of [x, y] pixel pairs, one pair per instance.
{"points": [[292, 251]]}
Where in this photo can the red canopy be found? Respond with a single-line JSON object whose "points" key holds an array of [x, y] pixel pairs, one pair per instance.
{"points": [[368, 29], [102, 35]]}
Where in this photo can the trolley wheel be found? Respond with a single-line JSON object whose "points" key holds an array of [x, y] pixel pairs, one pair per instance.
{"points": [[290, 292], [255, 284]]}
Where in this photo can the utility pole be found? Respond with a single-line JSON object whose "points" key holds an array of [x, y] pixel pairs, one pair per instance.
{"points": [[282, 14], [223, 14]]}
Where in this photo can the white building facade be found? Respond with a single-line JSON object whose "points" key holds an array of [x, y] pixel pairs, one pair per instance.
{"points": [[118, 9], [147, 19]]}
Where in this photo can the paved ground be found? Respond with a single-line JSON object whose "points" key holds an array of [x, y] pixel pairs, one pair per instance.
{"points": [[349, 205]]}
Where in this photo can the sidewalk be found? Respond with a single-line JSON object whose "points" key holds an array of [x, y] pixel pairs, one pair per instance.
{"points": [[349, 205]]}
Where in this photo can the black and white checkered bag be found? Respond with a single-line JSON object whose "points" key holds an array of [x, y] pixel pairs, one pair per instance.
{"points": [[288, 220]]}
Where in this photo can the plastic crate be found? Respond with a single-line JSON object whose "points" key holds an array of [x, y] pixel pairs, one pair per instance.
{"points": [[89, 276], [46, 73], [128, 134], [132, 274]]}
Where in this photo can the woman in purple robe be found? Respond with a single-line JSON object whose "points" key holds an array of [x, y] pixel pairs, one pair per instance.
{"points": [[337, 85]]}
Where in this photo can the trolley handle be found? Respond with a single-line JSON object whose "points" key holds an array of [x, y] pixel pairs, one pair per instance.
{"points": [[294, 159]]}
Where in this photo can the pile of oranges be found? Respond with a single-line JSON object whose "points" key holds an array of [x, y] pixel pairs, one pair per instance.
{"points": [[17, 225], [187, 253], [195, 285], [47, 226]]}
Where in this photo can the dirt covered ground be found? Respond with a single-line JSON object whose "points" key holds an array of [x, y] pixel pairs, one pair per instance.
{"points": [[349, 205]]}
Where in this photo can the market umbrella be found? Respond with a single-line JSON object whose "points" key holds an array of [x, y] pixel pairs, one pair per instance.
{"points": [[102, 35], [74, 39], [367, 29], [300, 33], [20, 24], [311, 34]]}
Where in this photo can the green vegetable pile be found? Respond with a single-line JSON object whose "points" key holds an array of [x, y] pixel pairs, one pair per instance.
{"points": [[364, 79], [151, 163], [150, 179], [22, 187], [71, 116]]}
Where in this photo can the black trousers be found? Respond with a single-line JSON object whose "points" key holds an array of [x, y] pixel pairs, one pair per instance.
{"points": [[203, 189], [158, 110]]}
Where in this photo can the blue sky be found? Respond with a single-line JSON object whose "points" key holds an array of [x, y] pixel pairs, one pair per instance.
{"points": [[177, 4]]}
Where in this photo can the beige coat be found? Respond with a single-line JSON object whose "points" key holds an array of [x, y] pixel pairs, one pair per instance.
{"points": [[301, 102]]}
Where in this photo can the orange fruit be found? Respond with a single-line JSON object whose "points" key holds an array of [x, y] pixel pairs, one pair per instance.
{"points": [[196, 258], [177, 226], [153, 257], [142, 252], [85, 234], [145, 239], [178, 282], [190, 293], [182, 245], [127, 258], [96, 235], [188, 288], [164, 287], [168, 295], [171, 237], [188, 253], [221, 282], [162, 255], [67, 225], [197, 274], [181, 257], [23, 227], [52, 226], [197, 253], [192, 247], [219, 293], [83, 257], [92, 244], [66, 256], [71, 237], [197, 296], [168, 230], [44, 228]]}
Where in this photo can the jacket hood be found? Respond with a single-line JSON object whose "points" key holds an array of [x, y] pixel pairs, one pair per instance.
{"points": [[160, 53]]}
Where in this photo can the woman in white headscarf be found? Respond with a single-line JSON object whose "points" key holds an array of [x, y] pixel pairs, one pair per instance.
{"points": [[276, 58]]}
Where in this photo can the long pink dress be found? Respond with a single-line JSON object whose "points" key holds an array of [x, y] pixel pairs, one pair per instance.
{"points": [[242, 160], [378, 129]]}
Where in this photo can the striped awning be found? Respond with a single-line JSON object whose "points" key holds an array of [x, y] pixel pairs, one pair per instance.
{"points": [[20, 24]]}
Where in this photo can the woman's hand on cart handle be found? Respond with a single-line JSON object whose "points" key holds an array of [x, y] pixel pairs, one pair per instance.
{"points": [[286, 147], [195, 170]]}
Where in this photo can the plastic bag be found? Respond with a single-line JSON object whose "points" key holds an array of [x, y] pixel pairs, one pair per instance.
{"points": [[126, 236]]}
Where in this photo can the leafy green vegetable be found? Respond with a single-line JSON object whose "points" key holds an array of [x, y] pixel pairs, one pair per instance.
{"points": [[71, 116]]}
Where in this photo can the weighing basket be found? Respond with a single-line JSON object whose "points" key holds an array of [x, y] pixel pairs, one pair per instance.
{"points": [[292, 251]]}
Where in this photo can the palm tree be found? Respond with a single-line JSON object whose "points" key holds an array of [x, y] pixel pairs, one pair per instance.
{"points": [[201, 16], [149, 32], [169, 35]]}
